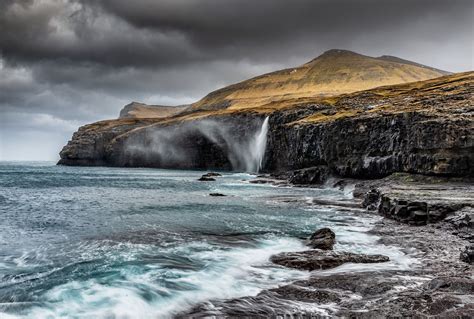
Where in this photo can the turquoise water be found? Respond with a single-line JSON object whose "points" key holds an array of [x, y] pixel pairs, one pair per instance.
{"points": [[93, 242]]}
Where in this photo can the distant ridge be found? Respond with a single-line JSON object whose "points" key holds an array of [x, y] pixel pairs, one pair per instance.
{"points": [[399, 60]]}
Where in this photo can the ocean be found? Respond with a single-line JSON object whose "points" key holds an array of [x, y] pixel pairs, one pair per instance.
{"points": [[96, 242]]}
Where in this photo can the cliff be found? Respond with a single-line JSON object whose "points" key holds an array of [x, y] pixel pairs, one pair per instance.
{"points": [[423, 127]]}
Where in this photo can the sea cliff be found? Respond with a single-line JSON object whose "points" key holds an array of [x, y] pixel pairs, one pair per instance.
{"points": [[423, 127]]}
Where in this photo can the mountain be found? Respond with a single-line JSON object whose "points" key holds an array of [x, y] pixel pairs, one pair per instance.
{"points": [[332, 73], [423, 127], [340, 114]]}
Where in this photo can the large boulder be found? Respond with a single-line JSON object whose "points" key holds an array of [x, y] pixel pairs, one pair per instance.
{"points": [[467, 255], [323, 238]]}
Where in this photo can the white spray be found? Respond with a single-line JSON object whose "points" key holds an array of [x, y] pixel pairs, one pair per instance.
{"points": [[163, 143], [257, 149]]}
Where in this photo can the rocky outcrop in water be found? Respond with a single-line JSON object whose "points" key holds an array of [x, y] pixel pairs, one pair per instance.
{"points": [[321, 259], [323, 238]]}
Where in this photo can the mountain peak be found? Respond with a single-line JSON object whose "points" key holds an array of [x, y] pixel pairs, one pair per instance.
{"points": [[338, 52], [334, 72]]}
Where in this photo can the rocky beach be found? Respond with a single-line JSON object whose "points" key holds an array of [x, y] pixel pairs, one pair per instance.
{"points": [[441, 240]]}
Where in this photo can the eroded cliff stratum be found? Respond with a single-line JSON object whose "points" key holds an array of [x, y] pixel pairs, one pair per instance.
{"points": [[342, 113]]}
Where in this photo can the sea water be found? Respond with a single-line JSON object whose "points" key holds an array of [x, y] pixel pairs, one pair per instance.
{"points": [[94, 242]]}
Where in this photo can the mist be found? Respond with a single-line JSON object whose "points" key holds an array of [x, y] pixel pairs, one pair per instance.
{"points": [[179, 144]]}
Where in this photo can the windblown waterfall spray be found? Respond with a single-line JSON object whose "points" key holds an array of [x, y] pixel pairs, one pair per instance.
{"points": [[258, 147], [162, 144]]}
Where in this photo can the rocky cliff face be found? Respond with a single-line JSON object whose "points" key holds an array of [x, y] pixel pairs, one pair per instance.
{"points": [[424, 127], [87, 146], [218, 142]]}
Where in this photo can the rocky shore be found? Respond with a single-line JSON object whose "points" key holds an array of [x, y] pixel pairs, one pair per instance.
{"points": [[441, 285]]}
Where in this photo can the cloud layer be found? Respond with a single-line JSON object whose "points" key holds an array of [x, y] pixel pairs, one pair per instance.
{"points": [[68, 62]]}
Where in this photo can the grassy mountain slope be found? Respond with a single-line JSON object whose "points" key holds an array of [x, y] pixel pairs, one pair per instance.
{"points": [[333, 73]]}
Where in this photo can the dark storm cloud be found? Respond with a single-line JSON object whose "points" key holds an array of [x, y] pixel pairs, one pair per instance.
{"points": [[158, 33], [69, 62]]}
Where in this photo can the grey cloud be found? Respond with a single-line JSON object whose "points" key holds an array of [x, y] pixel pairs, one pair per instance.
{"points": [[163, 33], [76, 61]]}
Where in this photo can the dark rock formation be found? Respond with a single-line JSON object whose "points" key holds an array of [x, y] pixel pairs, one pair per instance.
{"points": [[212, 174], [217, 195], [320, 259], [323, 238], [88, 145], [420, 200], [467, 255], [371, 199], [306, 176], [209, 177], [206, 179]]}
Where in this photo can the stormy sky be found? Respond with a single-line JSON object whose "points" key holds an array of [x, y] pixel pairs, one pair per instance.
{"points": [[64, 63]]}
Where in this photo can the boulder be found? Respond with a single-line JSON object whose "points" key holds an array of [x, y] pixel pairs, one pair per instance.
{"points": [[311, 175], [467, 255], [206, 179], [323, 238], [320, 259], [371, 199], [212, 174]]}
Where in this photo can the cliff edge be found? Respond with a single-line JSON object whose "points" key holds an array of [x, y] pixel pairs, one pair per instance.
{"points": [[423, 127]]}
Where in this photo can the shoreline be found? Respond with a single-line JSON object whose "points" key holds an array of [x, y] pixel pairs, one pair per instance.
{"points": [[441, 285]]}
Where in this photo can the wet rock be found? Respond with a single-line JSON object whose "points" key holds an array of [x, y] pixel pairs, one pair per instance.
{"points": [[458, 285], [267, 180], [320, 259], [306, 294], [307, 176], [462, 219], [410, 212], [340, 184], [261, 181], [323, 238], [467, 255], [209, 177], [212, 174], [371, 199], [206, 179], [350, 204], [217, 195]]}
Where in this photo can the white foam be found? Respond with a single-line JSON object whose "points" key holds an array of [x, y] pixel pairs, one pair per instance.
{"points": [[230, 273]]}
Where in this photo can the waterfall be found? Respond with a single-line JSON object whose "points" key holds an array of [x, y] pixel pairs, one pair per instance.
{"points": [[257, 148], [244, 153]]}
